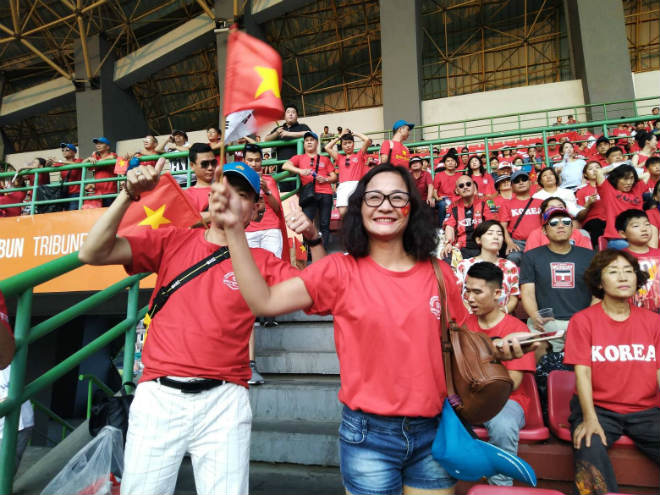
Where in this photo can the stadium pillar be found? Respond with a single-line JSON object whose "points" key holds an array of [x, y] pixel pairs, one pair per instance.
{"points": [[599, 47], [102, 107], [401, 48]]}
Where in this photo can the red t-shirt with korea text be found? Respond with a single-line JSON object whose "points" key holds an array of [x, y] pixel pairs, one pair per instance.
{"points": [[511, 211], [352, 167], [622, 356], [270, 220], [199, 196], [612, 202], [445, 184], [509, 324], [104, 172], [306, 162], [389, 349], [400, 154], [204, 328]]}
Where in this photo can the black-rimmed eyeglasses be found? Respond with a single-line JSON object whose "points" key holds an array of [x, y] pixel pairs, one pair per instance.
{"points": [[398, 199]]}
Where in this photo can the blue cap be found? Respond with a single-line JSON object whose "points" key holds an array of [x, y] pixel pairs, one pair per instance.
{"points": [[69, 146], [310, 134], [518, 173], [245, 171], [401, 123], [470, 459], [103, 140]]}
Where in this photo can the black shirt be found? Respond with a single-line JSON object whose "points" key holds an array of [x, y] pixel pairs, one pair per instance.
{"points": [[286, 152]]}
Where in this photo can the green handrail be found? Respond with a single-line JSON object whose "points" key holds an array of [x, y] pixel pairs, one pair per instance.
{"points": [[91, 381], [55, 417]]}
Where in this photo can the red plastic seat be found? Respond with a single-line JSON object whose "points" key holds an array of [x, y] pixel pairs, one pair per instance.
{"points": [[534, 430], [516, 490], [561, 386]]}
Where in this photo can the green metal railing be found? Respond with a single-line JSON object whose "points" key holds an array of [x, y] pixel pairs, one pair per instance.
{"points": [[66, 426], [85, 180], [91, 381], [526, 120], [22, 287]]}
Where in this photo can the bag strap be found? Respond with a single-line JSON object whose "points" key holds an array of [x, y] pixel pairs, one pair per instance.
{"points": [[453, 397], [522, 215], [184, 277]]}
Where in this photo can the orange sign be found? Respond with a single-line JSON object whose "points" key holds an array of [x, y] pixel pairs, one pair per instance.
{"points": [[29, 241]]}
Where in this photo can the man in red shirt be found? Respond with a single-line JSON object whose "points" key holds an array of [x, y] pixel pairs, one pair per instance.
{"points": [[483, 288], [102, 152], [599, 152], [393, 150], [192, 396], [203, 163], [351, 166], [69, 157], [423, 180], [312, 167], [463, 216], [519, 216]]}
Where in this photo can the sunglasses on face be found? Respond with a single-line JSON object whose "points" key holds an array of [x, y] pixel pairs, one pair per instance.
{"points": [[464, 184], [520, 179], [565, 221], [208, 163]]}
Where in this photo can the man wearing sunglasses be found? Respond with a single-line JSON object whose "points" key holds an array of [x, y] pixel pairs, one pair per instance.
{"points": [[519, 216], [203, 163], [552, 276], [464, 215]]}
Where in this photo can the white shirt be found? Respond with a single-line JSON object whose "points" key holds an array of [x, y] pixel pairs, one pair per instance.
{"points": [[26, 418], [565, 195]]}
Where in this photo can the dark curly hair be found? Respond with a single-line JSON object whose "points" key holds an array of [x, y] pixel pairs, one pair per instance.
{"points": [[593, 274], [419, 239]]}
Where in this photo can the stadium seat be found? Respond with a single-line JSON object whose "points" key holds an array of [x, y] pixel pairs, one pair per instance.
{"points": [[561, 385], [534, 430], [515, 490]]}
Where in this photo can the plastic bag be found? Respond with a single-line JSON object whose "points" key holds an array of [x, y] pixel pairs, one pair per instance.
{"points": [[95, 470]]}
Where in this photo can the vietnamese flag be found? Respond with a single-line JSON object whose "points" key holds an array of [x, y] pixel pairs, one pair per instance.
{"points": [[164, 206], [253, 83]]}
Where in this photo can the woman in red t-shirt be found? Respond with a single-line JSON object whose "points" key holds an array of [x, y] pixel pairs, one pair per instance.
{"points": [[384, 296], [614, 346], [587, 194], [484, 181]]}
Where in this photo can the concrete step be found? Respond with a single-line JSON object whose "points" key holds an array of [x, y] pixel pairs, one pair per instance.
{"points": [[301, 316], [299, 336], [296, 397], [296, 442], [306, 362]]}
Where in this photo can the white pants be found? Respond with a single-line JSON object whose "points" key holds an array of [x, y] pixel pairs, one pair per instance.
{"points": [[165, 423], [269, 239], [344, 191]]}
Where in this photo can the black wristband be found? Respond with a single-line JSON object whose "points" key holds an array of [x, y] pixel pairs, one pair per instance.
{"points": [[315, 242]]}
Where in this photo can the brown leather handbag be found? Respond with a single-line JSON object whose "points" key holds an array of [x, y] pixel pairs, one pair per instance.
{"points": [[478, 385]]}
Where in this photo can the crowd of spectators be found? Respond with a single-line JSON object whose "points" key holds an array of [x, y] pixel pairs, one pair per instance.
{"points": [[527, 227]]}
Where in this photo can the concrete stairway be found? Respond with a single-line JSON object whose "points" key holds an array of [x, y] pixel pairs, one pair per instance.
{"points": [[296, 413]]}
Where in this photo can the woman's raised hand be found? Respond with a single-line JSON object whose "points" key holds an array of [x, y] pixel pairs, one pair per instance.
{"points": [[143, 178]]}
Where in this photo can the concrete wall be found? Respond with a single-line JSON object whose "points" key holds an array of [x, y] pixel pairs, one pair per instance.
{"points": [[647, 84]]}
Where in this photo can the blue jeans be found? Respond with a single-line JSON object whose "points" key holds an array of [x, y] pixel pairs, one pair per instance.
{"points": [[617, 244], [381, 454], [503, 431]]}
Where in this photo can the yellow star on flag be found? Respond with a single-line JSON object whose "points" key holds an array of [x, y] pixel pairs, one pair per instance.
{"points": [[154, 218], [269, 81]]}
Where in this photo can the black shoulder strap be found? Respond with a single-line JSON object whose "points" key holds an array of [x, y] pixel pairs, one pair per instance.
{"points": [[183, 278], [522, 215]]}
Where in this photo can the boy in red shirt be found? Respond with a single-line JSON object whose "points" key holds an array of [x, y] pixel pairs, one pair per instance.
{"points": [[350, 166], [393, 150], [483, 288], [635, 228]]}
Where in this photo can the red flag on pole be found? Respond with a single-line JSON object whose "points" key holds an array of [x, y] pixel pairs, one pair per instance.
{"points": [[253, 84], [164, 206]]}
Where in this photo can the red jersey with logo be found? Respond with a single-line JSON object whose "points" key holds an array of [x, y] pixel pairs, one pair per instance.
{"points": [[464, 220], [511, 211], [400, 154], [270, 220], [648, 297], [389, 348], [307, 162], [199, 197], [584, 192], [612, 202], [445, 184], [204, 328], [10, 199], [508, 325], [352, 167], [622, 356], [104, 172]]}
